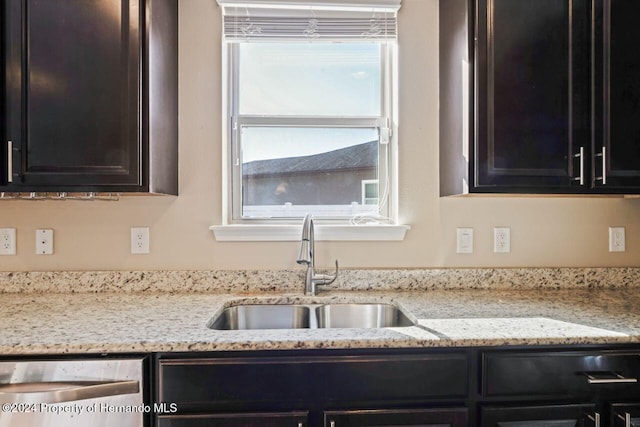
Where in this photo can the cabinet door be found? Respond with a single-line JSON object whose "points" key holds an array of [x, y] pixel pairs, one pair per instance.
{"points": [[541, 416], [617, 141], [533, 103], [456, 417], [293, 419], [625, 415], [229, 382], [73, 97]]}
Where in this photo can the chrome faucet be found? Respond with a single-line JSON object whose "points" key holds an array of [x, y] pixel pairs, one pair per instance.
{"points": [[306, 256]]}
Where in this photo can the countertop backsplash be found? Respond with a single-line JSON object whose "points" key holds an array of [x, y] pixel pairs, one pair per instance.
{"points": [[287, 281]]}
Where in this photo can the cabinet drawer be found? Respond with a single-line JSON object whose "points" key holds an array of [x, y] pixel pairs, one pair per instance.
{"points": [[624, 414], [560, 373], [270, 419], [436, 417], [539, 416], [222, 382]]}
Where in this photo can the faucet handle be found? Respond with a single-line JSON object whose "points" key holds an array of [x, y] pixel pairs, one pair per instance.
{"points": [[327, 279], [335, 273]]}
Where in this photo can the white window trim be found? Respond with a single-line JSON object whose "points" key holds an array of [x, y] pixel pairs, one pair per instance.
{"points": [[323, 232], [383, 5], [251, 230]]}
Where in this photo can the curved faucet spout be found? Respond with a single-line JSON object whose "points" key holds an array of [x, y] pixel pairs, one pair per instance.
{"points": [[306, 257]]}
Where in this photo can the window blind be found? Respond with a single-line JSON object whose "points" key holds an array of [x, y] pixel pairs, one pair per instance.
{"points": [[300, 20]]}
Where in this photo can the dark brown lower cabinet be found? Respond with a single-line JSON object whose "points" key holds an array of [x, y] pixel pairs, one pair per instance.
{"points": [[455, 417], [332, 388], [585, 415], [561, 388], [268, 419], [546, 386], [449, 417], [624, 415], [541, 416]]}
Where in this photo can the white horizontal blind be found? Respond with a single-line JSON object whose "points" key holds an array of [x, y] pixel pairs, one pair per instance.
{"points": [[274, 20]]}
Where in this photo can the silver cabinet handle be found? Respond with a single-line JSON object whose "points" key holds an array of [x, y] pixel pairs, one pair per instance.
{"points": [[626, 419], [9, 161], [611, 378], [57, 392], [603, 178], [595, 418], [581, 155]]}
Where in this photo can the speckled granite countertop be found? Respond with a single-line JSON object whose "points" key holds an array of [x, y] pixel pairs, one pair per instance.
{"points": [[111, 322]]}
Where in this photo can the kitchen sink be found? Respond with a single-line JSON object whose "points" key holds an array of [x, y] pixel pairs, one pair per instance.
{"points": [[309, 316], [263, 316], [361, 316]]}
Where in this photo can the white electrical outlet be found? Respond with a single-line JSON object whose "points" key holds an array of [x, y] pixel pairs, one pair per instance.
{"points": [[7, 241], [139, 240], [464, 240], [502, 240], [616, 239], [44, 242]]}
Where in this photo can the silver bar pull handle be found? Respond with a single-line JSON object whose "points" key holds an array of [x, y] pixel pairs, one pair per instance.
{"points": [[626, 419], [603, 178], [9, 161], [609, 378], [595, 418], [58, 392], [581, 155]]}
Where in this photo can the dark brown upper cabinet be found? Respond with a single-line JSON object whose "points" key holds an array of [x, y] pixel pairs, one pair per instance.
{"points": [[539, 97], [90, 96], [617, 93]]}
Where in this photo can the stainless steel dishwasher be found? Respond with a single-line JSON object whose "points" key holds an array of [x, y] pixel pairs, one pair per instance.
{"points": [[72, 393]]}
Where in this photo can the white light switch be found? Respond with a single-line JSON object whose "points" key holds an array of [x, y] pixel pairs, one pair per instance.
{"points": [[44, 242], [464, 244]]}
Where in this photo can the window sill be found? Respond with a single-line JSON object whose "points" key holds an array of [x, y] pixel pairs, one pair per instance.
{"points": [[326, 232]]}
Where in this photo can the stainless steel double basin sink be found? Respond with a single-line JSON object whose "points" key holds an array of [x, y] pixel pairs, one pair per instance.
{"points": [[309, 316]]}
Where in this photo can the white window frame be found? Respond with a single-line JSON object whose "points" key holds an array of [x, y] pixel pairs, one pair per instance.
{"points": [[235, 122], [365, 183], [287, 229]]}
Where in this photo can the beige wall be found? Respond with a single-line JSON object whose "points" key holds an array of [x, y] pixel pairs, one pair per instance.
{"points": [[95, 235]]}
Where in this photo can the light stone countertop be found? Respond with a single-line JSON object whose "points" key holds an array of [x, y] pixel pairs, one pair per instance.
{"points": [[113, 322]]}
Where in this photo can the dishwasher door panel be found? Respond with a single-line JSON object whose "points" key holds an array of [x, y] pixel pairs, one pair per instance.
{"points": [[72, 393]]}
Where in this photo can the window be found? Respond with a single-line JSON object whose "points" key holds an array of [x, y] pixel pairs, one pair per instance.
{"points": [[370, 192], [309, 106]]}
